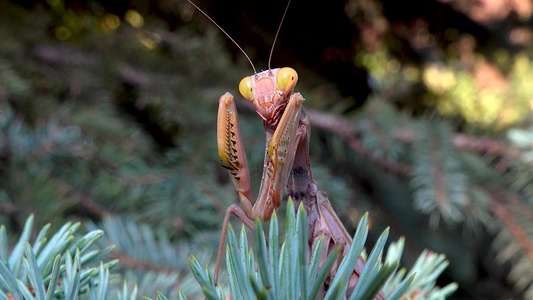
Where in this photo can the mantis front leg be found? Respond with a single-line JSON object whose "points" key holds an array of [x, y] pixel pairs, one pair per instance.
{"points": [[279, 157], [231, 151]]}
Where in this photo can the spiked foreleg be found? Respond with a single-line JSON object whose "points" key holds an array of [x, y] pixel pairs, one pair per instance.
{"points": [[279, 158], [233, 158], [231, 152]]}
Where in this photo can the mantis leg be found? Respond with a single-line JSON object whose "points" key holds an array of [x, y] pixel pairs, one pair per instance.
{"points": [[234, 209], [330, 222], [233, 158], [333, 230], [279, 158], [231, 152]]}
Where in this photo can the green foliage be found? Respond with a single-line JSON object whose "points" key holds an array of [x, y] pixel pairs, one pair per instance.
{"points": [[440, 190], [47, 270], [293, 274], [520, 173], [150, 258], [425, 272], [72, 128]]}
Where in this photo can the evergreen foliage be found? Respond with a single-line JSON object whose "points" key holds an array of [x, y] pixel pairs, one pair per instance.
{"points": [[56, 267], [47, 270]]}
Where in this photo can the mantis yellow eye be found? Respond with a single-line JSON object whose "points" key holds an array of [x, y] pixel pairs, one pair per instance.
{"points": [[286, 79], [246, 88]]}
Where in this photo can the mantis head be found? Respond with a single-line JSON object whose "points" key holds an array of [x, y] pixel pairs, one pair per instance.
{"points": [[269, 91]]}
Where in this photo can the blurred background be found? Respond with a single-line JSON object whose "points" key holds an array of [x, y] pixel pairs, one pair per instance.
{"points": [[421, 114]]}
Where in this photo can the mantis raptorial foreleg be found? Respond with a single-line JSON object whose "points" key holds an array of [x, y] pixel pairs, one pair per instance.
{"points": [[231, 151]]}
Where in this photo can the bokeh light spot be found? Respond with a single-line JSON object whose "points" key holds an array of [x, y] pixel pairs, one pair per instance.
{"points": [[62, 33], [134, 18], [110, 22]]}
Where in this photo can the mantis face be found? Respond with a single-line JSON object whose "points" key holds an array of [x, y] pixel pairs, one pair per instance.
{"points": [[269, 91]]}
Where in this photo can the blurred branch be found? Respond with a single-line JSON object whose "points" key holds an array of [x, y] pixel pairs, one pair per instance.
{"points": [[479, 145], [508, 219], [146, 179], [485, 146], [513, 241], [137, 264], [85, 201], [349, 134], [344, 129], [8, 208]]}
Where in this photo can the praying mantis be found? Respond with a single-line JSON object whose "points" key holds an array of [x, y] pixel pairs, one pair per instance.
{"points": [[286, 162]]}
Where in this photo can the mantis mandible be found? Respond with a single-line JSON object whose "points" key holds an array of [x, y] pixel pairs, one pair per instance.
{"points": [[286, 163]]}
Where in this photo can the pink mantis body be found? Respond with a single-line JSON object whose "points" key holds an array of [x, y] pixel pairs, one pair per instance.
{"points": [[286, 164]]}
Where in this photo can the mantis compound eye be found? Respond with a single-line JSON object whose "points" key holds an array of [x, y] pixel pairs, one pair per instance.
{"points": [[246, 88], [286, 79]]}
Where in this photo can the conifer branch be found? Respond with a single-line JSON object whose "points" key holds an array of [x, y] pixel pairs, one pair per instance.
{"points": [[8, 208], [88, 203], [346, 131], [137, 264], [508, 219], [349, 134]]}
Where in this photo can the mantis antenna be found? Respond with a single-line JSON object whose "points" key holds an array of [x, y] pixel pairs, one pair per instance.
{"points": [[243, 52], [277, 33]]}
